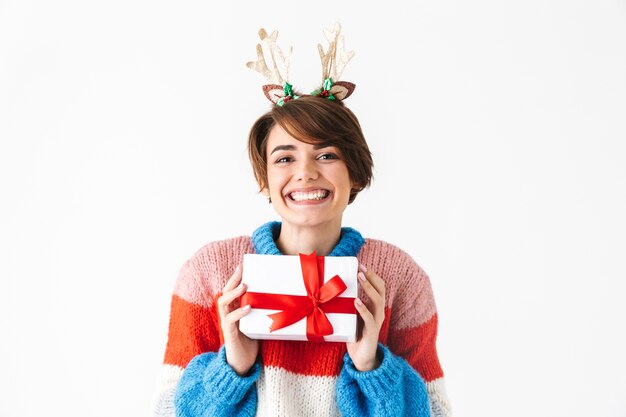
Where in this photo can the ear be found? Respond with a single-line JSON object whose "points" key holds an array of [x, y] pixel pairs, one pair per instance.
{"points": [[265, 191], [342, 89], [273, 92]]}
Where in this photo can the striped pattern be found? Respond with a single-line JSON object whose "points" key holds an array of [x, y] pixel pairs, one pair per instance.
{"points": [[299, 373], [275, 381]]}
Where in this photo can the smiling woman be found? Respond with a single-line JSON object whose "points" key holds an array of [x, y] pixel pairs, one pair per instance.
{"points": [[310, 158], [322, 123]]}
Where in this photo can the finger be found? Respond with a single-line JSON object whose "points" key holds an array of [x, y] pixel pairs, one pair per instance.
{"points": [[366, 315], [236, 315], [371, 291], [234, 280], [375, 301], [227, 298], [375, 280]]}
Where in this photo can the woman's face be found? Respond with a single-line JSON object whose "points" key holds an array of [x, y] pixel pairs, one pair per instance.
{"points": [[308, 185]]}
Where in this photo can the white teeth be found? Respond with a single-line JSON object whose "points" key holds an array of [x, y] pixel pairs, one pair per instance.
{"points": [[313, 195]]}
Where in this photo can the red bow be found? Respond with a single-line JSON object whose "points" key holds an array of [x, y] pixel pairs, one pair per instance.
{"points": [[321, 298]]}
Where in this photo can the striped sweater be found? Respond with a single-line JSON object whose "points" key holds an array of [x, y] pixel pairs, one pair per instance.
{"points": [[301, 378]]}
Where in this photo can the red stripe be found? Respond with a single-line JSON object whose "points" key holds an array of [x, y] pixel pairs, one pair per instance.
{"points": [[310, 358], [192, 331], [417, 345], [307, 358]]}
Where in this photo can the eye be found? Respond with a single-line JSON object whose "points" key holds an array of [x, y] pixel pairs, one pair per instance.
{"points": [[328, 156], [284, 159]]}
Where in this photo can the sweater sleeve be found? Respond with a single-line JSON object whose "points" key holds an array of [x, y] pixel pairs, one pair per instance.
{"points": [[210, 387], [392, 389], [411, 320], [413, 327], [194, 335]]}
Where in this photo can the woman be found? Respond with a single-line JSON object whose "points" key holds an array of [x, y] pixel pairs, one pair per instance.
{"points": [[311, 160]]}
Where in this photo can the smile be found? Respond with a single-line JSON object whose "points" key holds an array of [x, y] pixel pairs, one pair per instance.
{"points": [[314, 195]]}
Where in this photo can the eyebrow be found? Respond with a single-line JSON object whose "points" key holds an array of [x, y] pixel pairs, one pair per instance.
{"points": [[292, 147]]}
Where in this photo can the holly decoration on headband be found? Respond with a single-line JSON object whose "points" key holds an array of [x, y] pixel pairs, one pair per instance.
{"points": [[325, 90], [334, 91], [333, 60], [289, 95]]}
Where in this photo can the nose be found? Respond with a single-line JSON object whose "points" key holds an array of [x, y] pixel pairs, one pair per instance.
{"points": [[307, 171]]}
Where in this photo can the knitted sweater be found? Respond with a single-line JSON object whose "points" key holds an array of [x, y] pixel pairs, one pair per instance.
{"points": [[301, 378]]}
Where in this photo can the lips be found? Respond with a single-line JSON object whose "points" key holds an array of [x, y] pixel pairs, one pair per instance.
{"points": [[309, 195]]}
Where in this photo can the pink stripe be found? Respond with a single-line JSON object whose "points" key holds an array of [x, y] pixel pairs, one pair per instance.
{"points": [[408, 286], [205, 274]]}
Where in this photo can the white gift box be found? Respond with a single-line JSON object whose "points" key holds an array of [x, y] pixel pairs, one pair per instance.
{"points": [[282, 274]]}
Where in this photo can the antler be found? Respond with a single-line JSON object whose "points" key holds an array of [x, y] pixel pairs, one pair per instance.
{"points": [[335, 59], [274, 75]]}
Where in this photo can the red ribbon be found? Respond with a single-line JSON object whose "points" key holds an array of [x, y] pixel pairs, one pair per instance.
{"points": [[321, 298]]}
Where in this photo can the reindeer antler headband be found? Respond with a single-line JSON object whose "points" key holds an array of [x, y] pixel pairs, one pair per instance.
{"points": [[334, 61]]}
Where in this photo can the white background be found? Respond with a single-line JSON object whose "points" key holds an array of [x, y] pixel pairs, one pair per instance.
{"points": [[499, 139]]}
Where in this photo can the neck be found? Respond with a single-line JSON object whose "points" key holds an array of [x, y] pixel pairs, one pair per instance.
{"points": [[322, 238]]}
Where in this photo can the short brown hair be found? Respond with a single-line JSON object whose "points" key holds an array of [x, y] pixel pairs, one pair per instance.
{"points": [[318, 121]]}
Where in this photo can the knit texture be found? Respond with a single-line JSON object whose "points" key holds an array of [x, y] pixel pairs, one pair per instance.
{"points": [[392, 389], [209, 377], [264, 240], [303, 378]]}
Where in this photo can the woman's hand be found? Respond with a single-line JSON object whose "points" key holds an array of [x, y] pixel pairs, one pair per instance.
{"points": [[241, 351], [363, 351]]}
